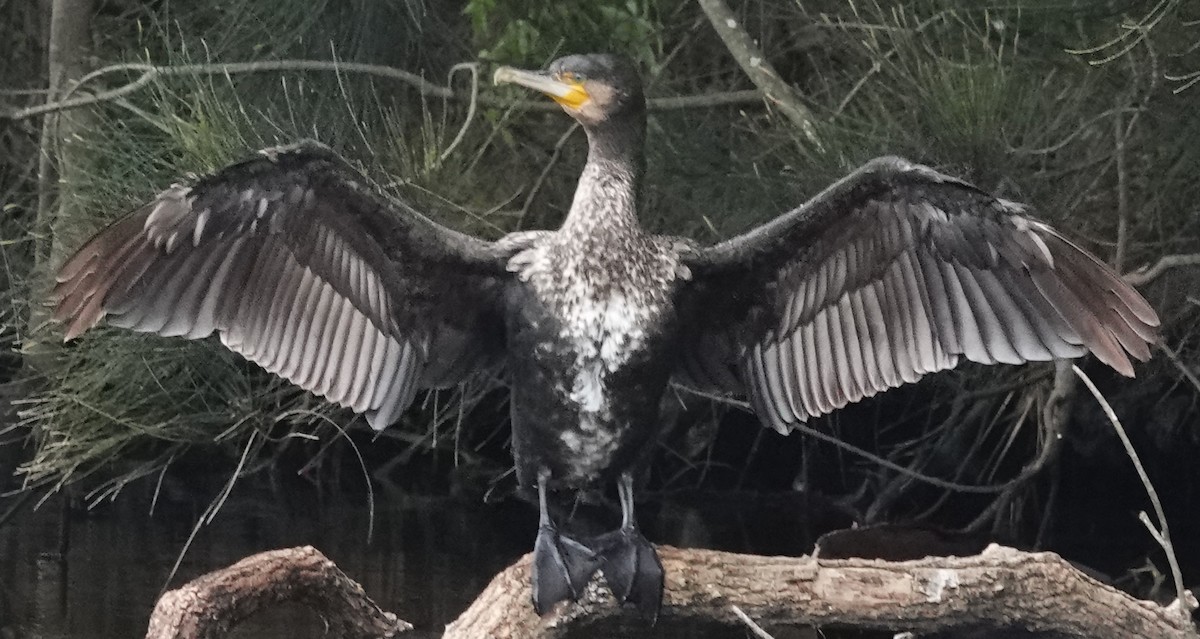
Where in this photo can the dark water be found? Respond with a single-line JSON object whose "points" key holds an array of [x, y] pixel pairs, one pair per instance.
{"points": [[426, 560]]}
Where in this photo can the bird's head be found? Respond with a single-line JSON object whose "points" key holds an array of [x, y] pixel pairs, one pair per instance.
{"points": [[594, 88]]}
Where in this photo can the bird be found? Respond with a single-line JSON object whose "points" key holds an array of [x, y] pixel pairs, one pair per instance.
{"points": [[299, 263]]}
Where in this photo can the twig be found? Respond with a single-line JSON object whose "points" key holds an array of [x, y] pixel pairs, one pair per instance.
{"points": [[210, 512], [1054, 413], [1162, 535], [1136, 31], [1164, 264], [541, 178], [1030, 470], [877, 65], [1183, 367], [151, 72], [473, 67], [1085, 126], [755, 628], [1121, 137]]}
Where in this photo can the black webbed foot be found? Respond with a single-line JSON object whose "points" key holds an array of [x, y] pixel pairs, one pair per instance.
{"points": [[632, 569], [562, 568]]}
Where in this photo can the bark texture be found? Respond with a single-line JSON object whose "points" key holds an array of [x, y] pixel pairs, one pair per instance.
{"points": [[999, 588], [69, 50], [209, 606], [67, 60]]}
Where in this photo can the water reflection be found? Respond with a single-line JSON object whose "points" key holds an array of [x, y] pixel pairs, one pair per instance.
{"points": [[427, 559]]}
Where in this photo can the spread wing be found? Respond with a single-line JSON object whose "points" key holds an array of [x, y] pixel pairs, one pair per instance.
{"points": [[894, 272], [298, 265]]}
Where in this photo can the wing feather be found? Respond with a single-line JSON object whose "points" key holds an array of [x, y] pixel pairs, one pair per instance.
{"points": [[300, 266], [895, 272], [791, 378], [853, 329]]}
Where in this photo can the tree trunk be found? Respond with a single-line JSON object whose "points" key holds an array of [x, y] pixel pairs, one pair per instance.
{"points": [[67, 60]]}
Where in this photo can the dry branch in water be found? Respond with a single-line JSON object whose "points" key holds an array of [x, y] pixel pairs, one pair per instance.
{"points": [[999, 588], [209, 606]]}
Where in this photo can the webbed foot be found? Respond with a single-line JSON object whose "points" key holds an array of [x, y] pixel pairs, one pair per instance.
{"points": [[632, 569], [562, 568]]}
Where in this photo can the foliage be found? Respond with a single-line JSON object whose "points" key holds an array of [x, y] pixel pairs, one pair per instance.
{"points": [[124, 405], [532, 31]]}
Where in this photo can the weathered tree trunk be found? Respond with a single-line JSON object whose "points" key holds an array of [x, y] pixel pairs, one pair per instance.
{"points": [[1000, 588], [68, 50]]}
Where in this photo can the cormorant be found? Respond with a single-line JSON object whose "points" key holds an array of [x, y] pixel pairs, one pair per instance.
{"points": [[895, 271]]}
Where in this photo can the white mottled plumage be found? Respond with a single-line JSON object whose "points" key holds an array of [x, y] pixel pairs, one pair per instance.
{"points": [[609, 285]]}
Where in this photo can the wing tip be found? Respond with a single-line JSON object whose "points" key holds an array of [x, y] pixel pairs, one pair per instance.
{"points": [[1121, 364], [379, 420], [77, 324]]}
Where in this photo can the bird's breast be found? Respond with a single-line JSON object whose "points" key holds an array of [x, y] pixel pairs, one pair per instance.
{"points": [[608, 309]]}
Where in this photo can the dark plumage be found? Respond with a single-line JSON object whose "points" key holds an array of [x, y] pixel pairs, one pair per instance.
{"points": [[893, 272]]}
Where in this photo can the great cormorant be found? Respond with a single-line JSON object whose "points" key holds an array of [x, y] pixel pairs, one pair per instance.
{"points": [[895, 271]]}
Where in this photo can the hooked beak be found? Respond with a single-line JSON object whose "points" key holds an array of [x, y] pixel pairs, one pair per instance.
{"points": [[570, 94]]}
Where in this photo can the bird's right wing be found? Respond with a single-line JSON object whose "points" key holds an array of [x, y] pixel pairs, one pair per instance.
{"points": [[894, 272], [303, 268]]}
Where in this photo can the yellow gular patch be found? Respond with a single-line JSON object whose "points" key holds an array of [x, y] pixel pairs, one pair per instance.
{"points": [[576, 97]]}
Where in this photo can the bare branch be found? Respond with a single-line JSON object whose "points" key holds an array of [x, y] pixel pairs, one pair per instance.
{"points": [[150, 72], [1026, 474], [1162, 535], [758, 69], [1121, 136], [1164, 264], [750, 623], [1187, 372], [877, 63]]}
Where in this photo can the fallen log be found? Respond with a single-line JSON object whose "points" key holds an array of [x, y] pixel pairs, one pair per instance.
{"points": [[1000, 588], [209, 606]]}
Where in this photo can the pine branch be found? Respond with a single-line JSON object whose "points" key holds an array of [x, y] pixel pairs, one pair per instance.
{"points": [[151, 72]]}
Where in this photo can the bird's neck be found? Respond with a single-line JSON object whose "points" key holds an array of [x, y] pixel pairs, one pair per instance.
{"points": [[609, 191]]}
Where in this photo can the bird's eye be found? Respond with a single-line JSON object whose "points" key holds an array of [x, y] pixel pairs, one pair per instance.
{"points": [[571, 76]]}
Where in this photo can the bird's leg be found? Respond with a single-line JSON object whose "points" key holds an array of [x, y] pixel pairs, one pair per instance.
{"points": [[630, 564], [562, 566]]}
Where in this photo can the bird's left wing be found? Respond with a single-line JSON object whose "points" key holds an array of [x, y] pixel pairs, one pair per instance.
{"points": [[301, 266], [894, 272]]}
